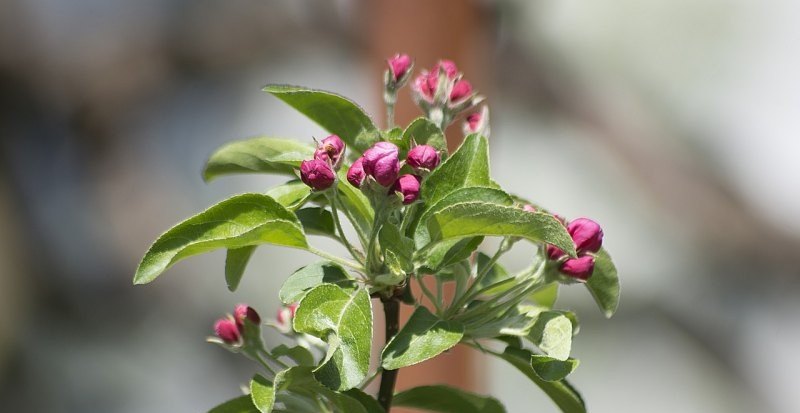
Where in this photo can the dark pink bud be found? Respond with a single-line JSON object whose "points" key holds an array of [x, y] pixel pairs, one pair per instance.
{"points": [[554, 252], [330, 150], [423, 88], [242, 312], [226, 330], [356, 174], [580, 268], [408, 186], [399, 65], [473, 122], [423, 156], [448, 67], [587, 235], [461, 90], [382, 163], [529, 208], [317, 174]]}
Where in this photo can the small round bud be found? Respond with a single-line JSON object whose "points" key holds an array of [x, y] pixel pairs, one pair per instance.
{"points": [[356, 174], [460, 92], [587, 235], [424, 157], [226, 330], [554, 253], [382, 163], [580, 268], [242, 312], [408, 186], [399, 66], [331, 150], [477, 122], [317, 174], [286, 315], [424, 87]]}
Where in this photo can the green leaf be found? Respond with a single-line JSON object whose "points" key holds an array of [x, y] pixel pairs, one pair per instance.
{"points": [[446, 399], [310, 276], [424, 132], [262, 393], [292, 194], [472, 218], [423, 337], [550, 369], [343, 319], [493, 276], [604, 284], [235, 263], [240, 221], [257, 155], [467, 167], [298, 354], [241, 404], [552, 333], [561, 392], [449, 252], [546, 296], [335, 113], [317, 221], [397, 249], [356, 207], [370, 404], [297, 384]]}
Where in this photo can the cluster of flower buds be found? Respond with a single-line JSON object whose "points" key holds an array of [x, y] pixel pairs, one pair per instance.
{"points": [[320, 173], [231, 329], [442, 93], [381, 164], [284, 317]]}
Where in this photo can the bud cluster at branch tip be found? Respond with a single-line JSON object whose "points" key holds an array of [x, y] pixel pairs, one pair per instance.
{"points": [[231, 329]]}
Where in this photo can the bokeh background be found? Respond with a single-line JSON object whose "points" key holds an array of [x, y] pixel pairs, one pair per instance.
{"points": [[674, 124]]}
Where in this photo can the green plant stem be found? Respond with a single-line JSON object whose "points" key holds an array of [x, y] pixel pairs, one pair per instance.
{"points": [[255, 355], [427, 292], [460, 301], [334, 200], [391, 312], [389, 115], [369, 379], [341, 261]]}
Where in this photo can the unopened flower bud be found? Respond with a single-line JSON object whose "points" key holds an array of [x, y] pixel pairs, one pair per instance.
{"points": [[554, 253], [461, 91], [408, 186], [286, 315], [477, 122], [317, 174], [423, 157], [580, 268], [424, 87], [356, 174], [448, 66], [244, 312], [399, 66], [382, 163], [587, 235], [226, 330], [331, 150]]}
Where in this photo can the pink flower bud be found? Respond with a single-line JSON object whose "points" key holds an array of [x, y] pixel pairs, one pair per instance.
{"points": [[399, 65], [330, 150], [423, 156], [554, 252], [424, 86], [382, 163], [286, 314], [580, 268], [529, 208], [587, 235], [226, 330], [408, 186], [461, 91], [317, 174], [356, 175], [449, 68], [473, 122], [242, 312]]}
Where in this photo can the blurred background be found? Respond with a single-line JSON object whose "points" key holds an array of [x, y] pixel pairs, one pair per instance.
{"points": [[674, 124]]}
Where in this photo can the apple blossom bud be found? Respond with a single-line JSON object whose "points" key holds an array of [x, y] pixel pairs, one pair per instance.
{"points": [[286, 315], [424, 157], [408, 186], [242, 312], [478, 122], [587, 235], [580, 268], [461, 91], [226, 330], [424, 87], [331, 150], [448, 66], [554, 253], [317, 174], [382, 163], [399, 66], [356, 175]]}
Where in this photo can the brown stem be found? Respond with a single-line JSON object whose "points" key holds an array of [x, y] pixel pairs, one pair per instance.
{"points": [[391, 312]]}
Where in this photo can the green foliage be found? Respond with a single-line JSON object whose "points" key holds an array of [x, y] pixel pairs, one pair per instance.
{"points": [[552, 369], [552, 333], [257, 155], [604, 284], [446, 399], [241, 404], [310, 276], [468, 166], [235, 262], [423, 337], [424, 132]]}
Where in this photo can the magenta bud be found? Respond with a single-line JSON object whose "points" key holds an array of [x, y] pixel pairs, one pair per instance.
{"points": [[356, 174], [382, 163], [423, 156], [286, 314], [399, 65], [226, 330], [242, 312], [331, 150], [587, 235], [580, 268], [317, 174], [554, 252], [448, 67], [461, 91], [473, 122], [408, 186], [424, 86]]}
